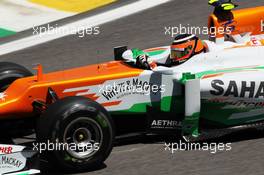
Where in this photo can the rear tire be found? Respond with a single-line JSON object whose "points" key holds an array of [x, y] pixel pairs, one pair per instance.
{"points": [[9, 72], [76, 121]]}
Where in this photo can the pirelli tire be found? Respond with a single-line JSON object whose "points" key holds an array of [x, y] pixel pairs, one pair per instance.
{"points": [[9, 72], [76, 121]]}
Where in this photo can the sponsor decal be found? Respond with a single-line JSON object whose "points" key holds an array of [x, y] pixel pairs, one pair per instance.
{"points": [[165, 124], [237, 103], [11, 158], [255, 42], [129, 87], [5, 149], [3, 96], [249, 89], [10, 162]]}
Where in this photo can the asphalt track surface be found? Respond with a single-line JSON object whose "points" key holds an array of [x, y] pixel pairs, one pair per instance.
{"points": [[146, 155]]}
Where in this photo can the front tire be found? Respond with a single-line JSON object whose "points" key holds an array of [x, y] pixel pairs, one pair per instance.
{"points": [[77, 121], [9, 72]]}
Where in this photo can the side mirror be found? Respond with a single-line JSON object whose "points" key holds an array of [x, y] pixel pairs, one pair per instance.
{"points": [[118, 51]]}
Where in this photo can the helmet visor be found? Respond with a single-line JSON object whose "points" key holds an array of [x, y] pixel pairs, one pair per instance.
{"points": [[179, 54]]}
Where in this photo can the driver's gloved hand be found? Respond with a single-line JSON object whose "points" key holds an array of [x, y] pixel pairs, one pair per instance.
{"points": [[142, 61]]}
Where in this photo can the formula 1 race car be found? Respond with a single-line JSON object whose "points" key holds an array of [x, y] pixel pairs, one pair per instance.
{"points": [[78, 112]]}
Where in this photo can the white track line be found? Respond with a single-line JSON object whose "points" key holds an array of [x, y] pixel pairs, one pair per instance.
{"points": [[92, 21]]}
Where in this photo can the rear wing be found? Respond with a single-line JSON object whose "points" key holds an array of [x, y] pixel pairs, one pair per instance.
{"points": [[237, 25]]}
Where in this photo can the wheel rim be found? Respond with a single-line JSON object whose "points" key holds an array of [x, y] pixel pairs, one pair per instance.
{"points": [[80, 135]]}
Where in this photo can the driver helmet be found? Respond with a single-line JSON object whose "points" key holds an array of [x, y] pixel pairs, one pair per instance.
{"points": [[184, 47]]}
